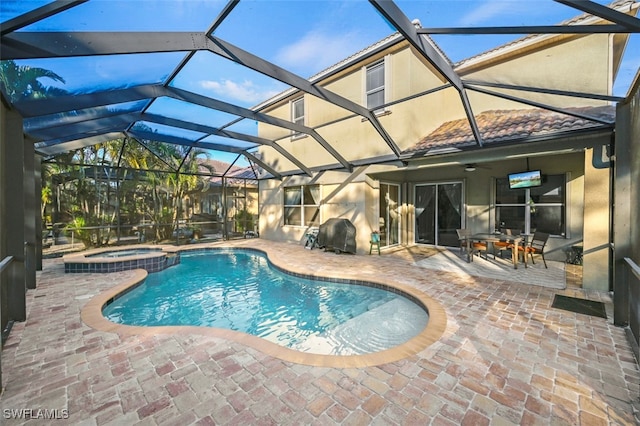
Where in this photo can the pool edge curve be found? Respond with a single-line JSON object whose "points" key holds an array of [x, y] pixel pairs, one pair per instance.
{"points": [[91, 315]]}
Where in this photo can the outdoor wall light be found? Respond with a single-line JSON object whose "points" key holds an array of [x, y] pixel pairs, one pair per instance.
{"points": [[470, 168]]}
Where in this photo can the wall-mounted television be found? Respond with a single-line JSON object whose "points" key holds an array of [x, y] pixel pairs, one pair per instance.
{"points": [[525, 179]]}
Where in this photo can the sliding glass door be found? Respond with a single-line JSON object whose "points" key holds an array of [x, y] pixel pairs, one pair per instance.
{"points": [[438, 209], [389, 221]]}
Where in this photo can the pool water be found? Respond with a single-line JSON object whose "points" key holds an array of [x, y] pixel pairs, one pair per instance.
{"points": [[239, 290]]}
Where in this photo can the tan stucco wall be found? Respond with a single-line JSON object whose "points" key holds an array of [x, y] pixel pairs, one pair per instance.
{"points": [[596, 225], [355, 197], [558, 65], [355, 138], [345, 195]]}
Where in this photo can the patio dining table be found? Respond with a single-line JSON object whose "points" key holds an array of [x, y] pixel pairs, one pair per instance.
{"points": [[489, 237]]}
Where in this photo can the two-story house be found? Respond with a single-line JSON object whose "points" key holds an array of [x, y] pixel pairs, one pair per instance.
{"points": [[452, 172]]}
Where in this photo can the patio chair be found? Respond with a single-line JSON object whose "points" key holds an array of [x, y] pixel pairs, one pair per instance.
{"points": [[463, 236], [311, 238], [374, 242], [479, 247], [503, 245], [538, 242]]}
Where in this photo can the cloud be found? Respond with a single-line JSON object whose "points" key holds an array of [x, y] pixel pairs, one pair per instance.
{"points": [[485, 12], [245, 91], [316, 51]]}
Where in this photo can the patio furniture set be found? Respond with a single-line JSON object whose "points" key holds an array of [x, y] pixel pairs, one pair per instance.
{"points": [[517, 243]]}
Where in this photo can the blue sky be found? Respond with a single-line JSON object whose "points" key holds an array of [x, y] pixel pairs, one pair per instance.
{"points": [[304, 37], [317, 34]]}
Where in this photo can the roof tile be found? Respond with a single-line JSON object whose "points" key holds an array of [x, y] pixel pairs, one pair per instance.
{"points": [[510, 125]]}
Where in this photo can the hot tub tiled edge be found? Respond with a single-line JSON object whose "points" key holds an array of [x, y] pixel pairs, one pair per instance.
{"points": [[157, 259]]}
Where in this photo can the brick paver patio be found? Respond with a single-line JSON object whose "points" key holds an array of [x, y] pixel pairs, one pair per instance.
{"points": [[506, 357]]}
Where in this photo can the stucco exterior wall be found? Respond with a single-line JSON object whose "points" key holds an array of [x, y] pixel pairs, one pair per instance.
{"points": [[355, 197], [596, 236], [345, 195], [406, 123], [560, 65]]}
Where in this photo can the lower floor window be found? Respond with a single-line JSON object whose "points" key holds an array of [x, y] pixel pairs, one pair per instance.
{"points": [[534, 209], [302, 205]]}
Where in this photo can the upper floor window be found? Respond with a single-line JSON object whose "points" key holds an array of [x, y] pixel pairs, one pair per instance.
{"points": [[302, 205], [375, 85], [297, 115]]}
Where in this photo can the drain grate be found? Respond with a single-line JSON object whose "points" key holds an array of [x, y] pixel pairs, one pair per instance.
{"points": [[579, 306]]}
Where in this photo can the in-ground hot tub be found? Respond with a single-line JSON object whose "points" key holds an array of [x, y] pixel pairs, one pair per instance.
{"points": [[125, 252], [151, 259]]}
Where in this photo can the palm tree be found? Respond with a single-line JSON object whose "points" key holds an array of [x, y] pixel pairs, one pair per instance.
{"points": [[185, 179], [165, 191], [21, 82]]}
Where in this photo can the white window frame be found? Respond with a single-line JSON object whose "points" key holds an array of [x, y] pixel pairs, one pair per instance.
{"points": [[301, 206], [385, 64], [527, 205], [301, 120]]}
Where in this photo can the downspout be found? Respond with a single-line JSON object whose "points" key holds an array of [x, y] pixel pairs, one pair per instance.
{"points": [[612, 183], [404, 223]]}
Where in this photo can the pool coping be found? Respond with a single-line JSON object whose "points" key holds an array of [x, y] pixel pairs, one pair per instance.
{"points": [[91, 315]]}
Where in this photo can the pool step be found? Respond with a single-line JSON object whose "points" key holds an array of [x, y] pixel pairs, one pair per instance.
{"points": [[367, 333]]}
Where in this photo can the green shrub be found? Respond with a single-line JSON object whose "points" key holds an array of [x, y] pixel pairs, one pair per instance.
{"points": [[244, 220]]}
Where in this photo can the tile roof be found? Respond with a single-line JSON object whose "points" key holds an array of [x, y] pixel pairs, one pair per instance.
{"points": [[235, 173], [242, 173], [512, 125], [219, 167]]}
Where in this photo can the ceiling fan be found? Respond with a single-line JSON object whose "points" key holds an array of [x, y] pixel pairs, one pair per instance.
{"points": [[471, 167]]}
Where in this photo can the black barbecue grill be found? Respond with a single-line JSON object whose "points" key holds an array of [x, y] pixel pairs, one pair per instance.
{"points": [[338, 235]]}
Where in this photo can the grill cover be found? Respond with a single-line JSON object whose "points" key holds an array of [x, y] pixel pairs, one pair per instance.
{"points": [[337, 234]]}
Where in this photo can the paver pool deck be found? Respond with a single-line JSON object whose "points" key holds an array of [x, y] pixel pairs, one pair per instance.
{"points": [[505, 356]]}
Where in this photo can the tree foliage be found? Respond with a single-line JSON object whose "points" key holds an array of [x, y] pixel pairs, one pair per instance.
{"points": [[20, 82], [121, 183]]}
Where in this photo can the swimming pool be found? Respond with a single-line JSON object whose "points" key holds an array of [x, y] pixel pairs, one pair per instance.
{"points": [[240, 290]]}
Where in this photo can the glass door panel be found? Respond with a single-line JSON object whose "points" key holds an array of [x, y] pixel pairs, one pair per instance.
{"points": [[389, 221], [438, 209], [425, 205], [449, 213]]}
